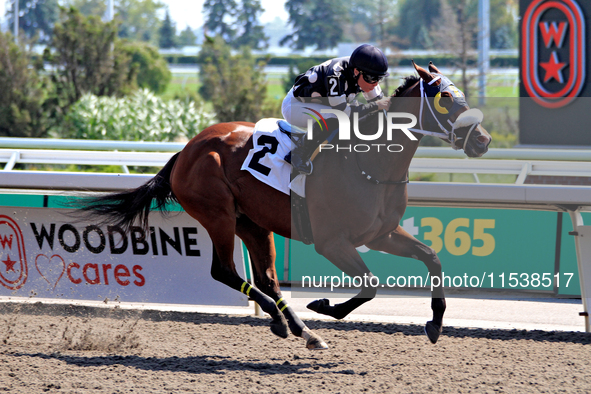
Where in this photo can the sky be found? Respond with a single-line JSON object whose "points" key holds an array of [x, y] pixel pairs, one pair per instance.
{"points": [[190, 12]]}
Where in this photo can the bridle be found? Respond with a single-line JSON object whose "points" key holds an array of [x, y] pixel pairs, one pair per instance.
{"points": [[471, 117]]}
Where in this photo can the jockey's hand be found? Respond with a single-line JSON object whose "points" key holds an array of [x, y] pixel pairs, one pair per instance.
{"points": [[383, 103]]}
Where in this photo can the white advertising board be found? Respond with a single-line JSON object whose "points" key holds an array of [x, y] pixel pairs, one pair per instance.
{"points": [[49, 253]]}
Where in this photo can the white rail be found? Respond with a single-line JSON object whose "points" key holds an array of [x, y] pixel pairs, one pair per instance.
{"points": [[429, 152], [422, 164]]}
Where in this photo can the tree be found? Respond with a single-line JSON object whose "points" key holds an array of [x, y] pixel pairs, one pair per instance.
{"points": [[83, 57], [89, 7], [167, 33], [148, 65], [36, 18], [235, 85], [23, 103], [456, 34], [416, 19], [315, 23], [218, 15], [251, 32], [187, 37], [139, 19], [503, 24]]}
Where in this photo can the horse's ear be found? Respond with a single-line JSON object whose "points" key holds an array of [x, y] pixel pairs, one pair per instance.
{"points": [[424, 74], [434, 69]]}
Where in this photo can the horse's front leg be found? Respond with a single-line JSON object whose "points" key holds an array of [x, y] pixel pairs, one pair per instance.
{"points": [[343, 254], [261, 248], [401, 243]]}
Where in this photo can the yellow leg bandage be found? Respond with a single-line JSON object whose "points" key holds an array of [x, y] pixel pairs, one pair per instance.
{"points": [[245, 284], [279, 301]]}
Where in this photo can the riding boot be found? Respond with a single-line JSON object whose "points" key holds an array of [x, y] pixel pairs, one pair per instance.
{"points": [[300, 155]]}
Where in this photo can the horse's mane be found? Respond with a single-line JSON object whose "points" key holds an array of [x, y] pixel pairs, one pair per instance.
{"points": [[407, 82]]}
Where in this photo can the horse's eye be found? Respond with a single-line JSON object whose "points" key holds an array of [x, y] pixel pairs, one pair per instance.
{"points": [[442, 102]]}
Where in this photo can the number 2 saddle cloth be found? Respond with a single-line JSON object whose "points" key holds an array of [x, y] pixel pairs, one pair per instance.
{"points": [[265, 161]]}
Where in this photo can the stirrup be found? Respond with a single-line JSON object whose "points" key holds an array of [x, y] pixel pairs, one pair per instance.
{"points": [[296, 134], [304, 168]]}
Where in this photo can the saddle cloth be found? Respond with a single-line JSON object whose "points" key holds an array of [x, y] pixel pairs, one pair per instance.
{"points": [[265, 161]]}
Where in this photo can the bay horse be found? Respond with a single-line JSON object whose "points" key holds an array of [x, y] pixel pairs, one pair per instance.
{"points": [[346, 211]]}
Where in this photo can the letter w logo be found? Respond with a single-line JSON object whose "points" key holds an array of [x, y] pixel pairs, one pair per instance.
{"points": [[553, 32], [4, 241]]}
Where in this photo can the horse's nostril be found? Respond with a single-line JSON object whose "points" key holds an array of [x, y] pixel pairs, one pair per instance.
{"points": [[483, 139]]}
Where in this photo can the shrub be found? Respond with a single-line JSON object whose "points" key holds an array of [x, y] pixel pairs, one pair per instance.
{"points": [[141, 116], [149, 66], [23, 93], [235, 84]]}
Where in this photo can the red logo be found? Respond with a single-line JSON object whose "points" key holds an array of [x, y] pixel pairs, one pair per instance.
{"points": [[553, 51], [13, 259]]}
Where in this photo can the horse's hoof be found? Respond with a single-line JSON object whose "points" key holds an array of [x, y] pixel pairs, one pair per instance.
{"points": [[433, 331], [313, 340], [316, 343], [279, 327], [318, 305]]}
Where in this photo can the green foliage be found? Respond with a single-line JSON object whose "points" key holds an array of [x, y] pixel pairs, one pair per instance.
{"points": [[315, 23], [85, 61], [503, 24], [417, 17], [88, 7], [251, 32], [235, 85], [141, 116], [36, 19], [167, 34], [149, 67], [139, 19], [218, 18], [23, 98], [187, 37], [237, 24]]}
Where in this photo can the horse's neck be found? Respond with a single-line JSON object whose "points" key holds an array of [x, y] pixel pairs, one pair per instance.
{"points": [[395, 150]]}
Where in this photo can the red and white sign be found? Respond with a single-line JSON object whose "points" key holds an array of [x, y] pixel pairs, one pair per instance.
{"points": [[50, 254], [553, 51]]}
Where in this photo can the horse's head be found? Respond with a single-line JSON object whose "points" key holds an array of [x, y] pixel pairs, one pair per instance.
{"points": [[445, 111]]}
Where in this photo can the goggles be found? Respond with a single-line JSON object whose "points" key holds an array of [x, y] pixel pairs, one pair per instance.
{"points": [[369, 78]]}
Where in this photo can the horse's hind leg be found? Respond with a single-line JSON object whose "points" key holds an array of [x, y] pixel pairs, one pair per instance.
{"points": [[401, 243], [261, 247], [208, 199]]}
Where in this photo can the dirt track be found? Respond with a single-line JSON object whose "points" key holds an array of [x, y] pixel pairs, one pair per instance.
{"points": [[62, 349]]}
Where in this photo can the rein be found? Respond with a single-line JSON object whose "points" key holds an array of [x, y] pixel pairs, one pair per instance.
{"points": [[376, 181]]}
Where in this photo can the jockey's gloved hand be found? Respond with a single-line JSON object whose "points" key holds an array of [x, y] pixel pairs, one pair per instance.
{"points": [[383, 104]]}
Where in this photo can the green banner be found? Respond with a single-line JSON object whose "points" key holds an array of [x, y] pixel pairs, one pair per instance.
{"points": [[478, 249]]}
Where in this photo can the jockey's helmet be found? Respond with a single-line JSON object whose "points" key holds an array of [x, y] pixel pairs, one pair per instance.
{"points": [[370, 60]]}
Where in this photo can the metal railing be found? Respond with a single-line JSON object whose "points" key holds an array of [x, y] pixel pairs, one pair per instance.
{"points": [[518, 162]]}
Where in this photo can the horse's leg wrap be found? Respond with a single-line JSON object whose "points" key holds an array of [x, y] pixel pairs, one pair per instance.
{"points": [[279, 324], [296, 326]]}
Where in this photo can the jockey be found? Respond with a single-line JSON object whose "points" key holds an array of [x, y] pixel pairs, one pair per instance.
{"points": [[334, 84]]}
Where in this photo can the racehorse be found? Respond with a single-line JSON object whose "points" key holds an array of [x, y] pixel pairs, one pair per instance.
{"points": [[346, 211]]}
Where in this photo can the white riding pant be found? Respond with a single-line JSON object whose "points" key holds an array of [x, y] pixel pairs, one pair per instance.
{"points": [[296, 112]]}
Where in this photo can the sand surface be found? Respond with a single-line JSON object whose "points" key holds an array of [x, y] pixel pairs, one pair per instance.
{"points": [[77, 349]]}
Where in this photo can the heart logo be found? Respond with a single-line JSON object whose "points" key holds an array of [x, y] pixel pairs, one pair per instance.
{"points": [[50, 268]]}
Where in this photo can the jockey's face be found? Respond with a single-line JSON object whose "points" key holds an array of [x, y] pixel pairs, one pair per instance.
{"points": [[366, 87]]}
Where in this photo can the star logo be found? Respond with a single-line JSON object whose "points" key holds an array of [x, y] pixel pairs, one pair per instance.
{"points": [[553, 68], [9, 264]]}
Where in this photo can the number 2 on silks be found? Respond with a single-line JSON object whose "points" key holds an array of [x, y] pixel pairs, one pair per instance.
{"points": [[254, 162]]}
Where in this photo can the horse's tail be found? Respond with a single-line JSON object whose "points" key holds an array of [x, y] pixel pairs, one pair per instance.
{"points": [[124, 208]]}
